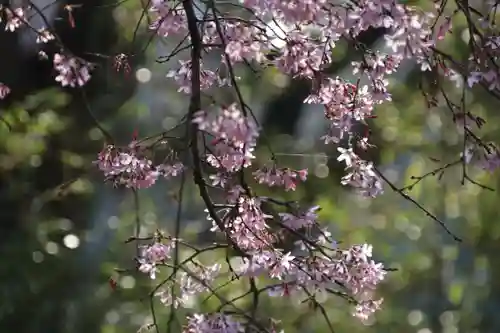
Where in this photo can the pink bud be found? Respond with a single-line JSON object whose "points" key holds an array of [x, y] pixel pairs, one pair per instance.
{"points": [[444, 28]]}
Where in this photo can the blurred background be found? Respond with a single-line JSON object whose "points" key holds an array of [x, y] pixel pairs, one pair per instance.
{"points": [[62, 230]]}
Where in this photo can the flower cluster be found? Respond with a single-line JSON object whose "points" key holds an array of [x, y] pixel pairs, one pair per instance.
{"points": [[301, 220], [361, 174], [44, 36], [169, 20], [190, 285], [246, 224], [234, 138], [15, 18], [71, 71], [280, 177], [215, 323], [154, 255], [240, 39], [352, 268], [183, 74], [130, 168]]}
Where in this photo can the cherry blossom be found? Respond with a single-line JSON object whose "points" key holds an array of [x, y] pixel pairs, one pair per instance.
{"points": [[15, 19], [4, 90], [44, 36], [169, 20], [234, 137], [152, 255], [215, 323], [301, 220], [129, 167], [182, 76], [246, 224], [280, 177], [71, 71]]}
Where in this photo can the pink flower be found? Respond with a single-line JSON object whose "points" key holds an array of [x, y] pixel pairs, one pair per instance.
{"points": [[44, 36], [182, 77], [235, 137], [365, 309], [4, 91], [14, 19], [128, 167], [215, 323], [170, 20], [71, 71], [152, 255], [303, 220], [280, 177]]}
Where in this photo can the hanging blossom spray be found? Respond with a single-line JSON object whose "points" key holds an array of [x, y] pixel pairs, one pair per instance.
{"points": [[220, 142]]}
